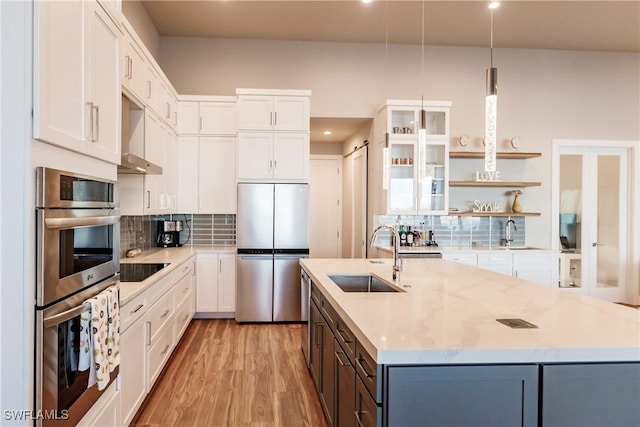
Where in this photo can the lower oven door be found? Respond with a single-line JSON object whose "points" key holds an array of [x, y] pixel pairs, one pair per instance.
{"points": [[62, 392]]}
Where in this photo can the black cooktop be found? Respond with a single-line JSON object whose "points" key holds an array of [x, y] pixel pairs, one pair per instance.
{"points": [[138, 272]]}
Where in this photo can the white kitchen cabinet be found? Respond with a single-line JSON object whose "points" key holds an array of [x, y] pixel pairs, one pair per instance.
{"points": [[106, 411], [499, 262], [217, 174], [273, 156], [207, 174], [215, 284], [76, 81], [468, 258], [152, 89], [133, 351], [277, 113], [536, 266], [217, 117], [134, 68]]}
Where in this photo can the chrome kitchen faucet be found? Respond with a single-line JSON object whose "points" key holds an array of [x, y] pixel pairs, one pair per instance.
{"points": [[397, 261]]}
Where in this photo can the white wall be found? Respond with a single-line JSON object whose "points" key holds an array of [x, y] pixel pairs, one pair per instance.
{"points": [[543, 94], [16, 272], [139, 19]]}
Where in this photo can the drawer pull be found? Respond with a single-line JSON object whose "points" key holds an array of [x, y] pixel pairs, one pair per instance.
{"points": [[346, 341], [319, 335], [167, 311], [338, 353], [137, 309], [166, 348], [185, 290], [186, 316], [359, 361]]}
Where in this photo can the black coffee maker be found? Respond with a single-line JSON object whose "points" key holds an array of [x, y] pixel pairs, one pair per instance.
{"points": [[169, 234]]}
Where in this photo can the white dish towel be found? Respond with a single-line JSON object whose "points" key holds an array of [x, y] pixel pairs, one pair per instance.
{"points": [[101, 353]]}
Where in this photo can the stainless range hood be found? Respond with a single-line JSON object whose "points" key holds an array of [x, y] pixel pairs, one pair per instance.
{"points": [[133, 143]]}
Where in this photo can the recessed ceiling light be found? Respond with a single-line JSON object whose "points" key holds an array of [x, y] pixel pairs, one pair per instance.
{"points": [[494, 4], [327, 132], [367, 1]]}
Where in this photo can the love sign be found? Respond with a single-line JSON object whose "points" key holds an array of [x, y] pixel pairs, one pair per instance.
{"points": [[487, 176]]}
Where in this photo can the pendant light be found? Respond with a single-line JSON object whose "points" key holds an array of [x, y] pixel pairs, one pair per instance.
{"points": [[385, 150], [422, 132], [491, 107]]}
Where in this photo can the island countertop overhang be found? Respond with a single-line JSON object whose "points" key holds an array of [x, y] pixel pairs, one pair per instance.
{"points": [[448, 316]]}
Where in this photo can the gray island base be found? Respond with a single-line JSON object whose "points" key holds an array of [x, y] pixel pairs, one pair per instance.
{"points": [[433, 353]]}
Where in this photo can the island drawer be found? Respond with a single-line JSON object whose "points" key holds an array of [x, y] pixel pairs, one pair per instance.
{"points": [[369, 372], [346, 338]]}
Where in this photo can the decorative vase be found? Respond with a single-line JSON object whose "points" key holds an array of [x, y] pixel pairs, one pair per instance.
{"points": [[515, 207]]}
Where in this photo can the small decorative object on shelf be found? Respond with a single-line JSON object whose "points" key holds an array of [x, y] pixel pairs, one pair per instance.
{"points": [[515, 142], [515, 207], [464, 141]]}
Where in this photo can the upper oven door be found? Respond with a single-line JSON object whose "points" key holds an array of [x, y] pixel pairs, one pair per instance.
{"points": [[76, 248]]}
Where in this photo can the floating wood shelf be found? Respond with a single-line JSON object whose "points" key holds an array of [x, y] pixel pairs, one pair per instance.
{"points": [[494, 214], [493, 184], [500, 155]]}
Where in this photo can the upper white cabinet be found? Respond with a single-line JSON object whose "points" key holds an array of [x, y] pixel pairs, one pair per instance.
{"points": [[134, 68], [273, 135], [76, 80], [213, 117], [280, 113], [207, 174], [273, 156], [415, 172]]}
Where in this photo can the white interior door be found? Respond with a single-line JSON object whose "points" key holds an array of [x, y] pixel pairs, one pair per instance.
{"points": [[325, 207], [594, 212]]}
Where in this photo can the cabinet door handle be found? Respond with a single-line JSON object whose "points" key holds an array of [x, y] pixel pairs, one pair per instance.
{"points": [[338, 353], [148, 89], [166, 348], [200, 124], [96, 136], [130, 68], [137, 309], [175, 117], [128, 62], [149, 333], [344, 340], [148, 199], [167, 311], [361, 365], [271, 118], [89, 106], [275, 118], [319, 334]]}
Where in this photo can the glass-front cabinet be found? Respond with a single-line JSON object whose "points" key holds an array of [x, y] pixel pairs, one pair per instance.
{"points": [[417, 179]]}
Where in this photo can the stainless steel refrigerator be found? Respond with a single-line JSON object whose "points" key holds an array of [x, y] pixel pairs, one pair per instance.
{"points": [[272, 236]]}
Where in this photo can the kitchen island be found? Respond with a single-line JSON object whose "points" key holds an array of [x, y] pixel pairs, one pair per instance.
{"points": [[439, 356]]}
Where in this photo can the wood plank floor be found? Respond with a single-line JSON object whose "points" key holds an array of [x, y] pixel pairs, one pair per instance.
{"points": [[227, 374]]}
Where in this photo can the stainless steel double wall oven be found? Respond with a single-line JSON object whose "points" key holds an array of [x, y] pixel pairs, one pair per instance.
{"points": [[78, 235]]}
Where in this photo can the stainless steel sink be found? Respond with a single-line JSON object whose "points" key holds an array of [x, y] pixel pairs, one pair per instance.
{"points": [[361, 283]]}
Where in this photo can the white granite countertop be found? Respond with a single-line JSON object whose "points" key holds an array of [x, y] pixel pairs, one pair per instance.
{"points": [[448, 316], [173, 256]]}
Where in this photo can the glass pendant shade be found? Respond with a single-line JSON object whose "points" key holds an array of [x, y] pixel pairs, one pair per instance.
{"points": [[490, 120]]}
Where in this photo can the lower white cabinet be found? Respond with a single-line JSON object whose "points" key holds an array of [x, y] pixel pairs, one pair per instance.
{"points": [[216, 285], [539, 267], [152, 324], [534, 265], [106, 411], [133, 349]]}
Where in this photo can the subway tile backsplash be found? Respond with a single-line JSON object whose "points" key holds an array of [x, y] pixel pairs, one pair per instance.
{"points": [[458, 231], [199, 229]]}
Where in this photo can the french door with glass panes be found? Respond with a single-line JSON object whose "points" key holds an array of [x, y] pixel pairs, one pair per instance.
{"points": [[593, 219]]}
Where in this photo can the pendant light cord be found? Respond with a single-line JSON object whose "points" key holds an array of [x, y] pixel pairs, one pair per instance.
{"points": [[491, 38], [422, 124]]}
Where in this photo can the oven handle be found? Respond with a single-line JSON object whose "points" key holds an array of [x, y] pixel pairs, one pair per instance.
{"points": [[81, 222], [66, 315]]}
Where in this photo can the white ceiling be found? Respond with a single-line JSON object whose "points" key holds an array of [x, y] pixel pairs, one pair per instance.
{"points": [[565, 25]]}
